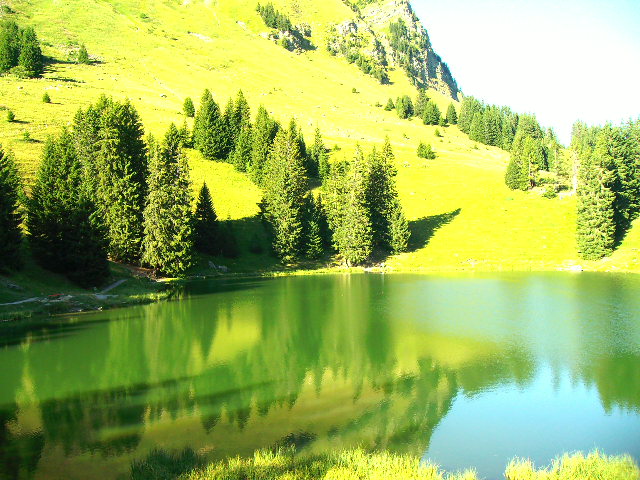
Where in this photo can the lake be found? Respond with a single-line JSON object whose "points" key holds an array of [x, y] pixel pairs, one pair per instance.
{"points": [[464, 370]]}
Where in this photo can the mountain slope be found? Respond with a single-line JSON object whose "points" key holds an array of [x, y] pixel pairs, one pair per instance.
{"points": [[158, 52]]}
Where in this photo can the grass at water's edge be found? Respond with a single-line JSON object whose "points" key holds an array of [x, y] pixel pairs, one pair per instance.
{"points": [[357, 464]]}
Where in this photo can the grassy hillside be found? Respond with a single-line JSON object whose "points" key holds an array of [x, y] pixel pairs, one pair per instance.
{"points": [[158, 52]]}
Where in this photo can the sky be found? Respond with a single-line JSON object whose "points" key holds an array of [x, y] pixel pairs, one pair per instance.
{"points": [[563, 60]]}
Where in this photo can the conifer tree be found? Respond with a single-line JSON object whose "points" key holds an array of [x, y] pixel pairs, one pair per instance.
{"points": [[318, 156], [431, 114], [492, 127], [421, 103], [476, 132], [285, 184], [241, 157], [264, 132], [65, 233], [168, 244], [518, 173], [596, 229], [188, 108], [399, 232], [231, 129], [452, 116], [30, 53], [206, 228], [242, 112], [83, 56], [470, 106], [425, 151], [9, 45], [390, 105], [210, 132], [10, 214], [623, 147], [404, 107], [323, 223], [314, 245]]}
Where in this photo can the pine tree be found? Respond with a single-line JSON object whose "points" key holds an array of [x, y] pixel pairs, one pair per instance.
{"points": [[477, 128], [241, 157], [623, 147], [596, 229], [452, 116], [242, 112], [421, 103], [470, 106], [431, 114], [399, 232], [188, 108], [492, 127], [231, 129], [46, 98], [425, 151], [314, 245], [323, 223], [318, 156], [30, 53], [168, 244], [9, 45], [264, 132], [404, 107], [10, 214], [285, 185], [210, 132], [83, 56], [65, 233], [390, 105], [518, 173], [206, 227]]}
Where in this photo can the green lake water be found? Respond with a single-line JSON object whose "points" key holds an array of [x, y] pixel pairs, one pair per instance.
{"points": [[464, 370]]}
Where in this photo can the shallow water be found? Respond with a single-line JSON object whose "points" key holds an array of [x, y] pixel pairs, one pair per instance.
{"points": [[464, 370]]}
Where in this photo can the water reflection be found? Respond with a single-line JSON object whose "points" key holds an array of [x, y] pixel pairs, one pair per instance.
{"points": [[337, 361]]}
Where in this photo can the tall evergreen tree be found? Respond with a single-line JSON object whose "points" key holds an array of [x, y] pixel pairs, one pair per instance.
{"points": [[390, 105], [477, 128], [314, 245], [241, 157], [264, 133], [318, 157], [623, 147], [399, 232], [404, 107], [210, 130], [452, 116], [470, 106], [421, 103], [242, 112], [431, 114], [285, 184], [206, 227], [596, 227], [168, 243], [188, 108], [10, 215], [30, 53], [9, 45], [492, 127], [65, 233]]}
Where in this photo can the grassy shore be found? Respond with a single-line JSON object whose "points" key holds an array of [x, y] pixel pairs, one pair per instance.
{"points": [[359, 465]]}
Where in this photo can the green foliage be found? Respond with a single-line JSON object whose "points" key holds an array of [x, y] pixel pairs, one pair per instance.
{"points": [[30, 53], [46, 98], [109, 141], [390, 105], [399, 232], [477, 131], [425, 151], [188, 108], [10, 116], [492, 127], [65, 233], [206, 227], [314, 244], [596, 228], [431, 114], [10, 214], [83, 56], [9, 45], [168, 244], [273, 18], [162, 465], [437, 133], [318, 157], [264, 133], [242, 154], [404, 107], [452, 116], [470, 106], [211, 134], [421, 103], [285, 184]]}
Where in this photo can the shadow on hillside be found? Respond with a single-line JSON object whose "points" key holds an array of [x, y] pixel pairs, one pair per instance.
{"points": [[423, 229]]}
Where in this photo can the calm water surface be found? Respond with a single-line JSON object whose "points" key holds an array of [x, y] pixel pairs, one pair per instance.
{"points": [[462, 370]]}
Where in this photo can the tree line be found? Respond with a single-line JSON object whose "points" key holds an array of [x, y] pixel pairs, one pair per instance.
{"points": [[104, 191], [608, 185], [303, 224], [20, 51], [423, 108]]}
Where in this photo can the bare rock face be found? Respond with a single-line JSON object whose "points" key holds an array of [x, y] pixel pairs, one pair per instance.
{"points": [[407, 46]]}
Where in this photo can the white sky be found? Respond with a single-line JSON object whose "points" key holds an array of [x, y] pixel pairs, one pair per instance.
{"points": [[560, 59]]}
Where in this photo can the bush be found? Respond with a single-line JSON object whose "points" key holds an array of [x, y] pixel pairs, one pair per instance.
{"points": [[10, 116], [46, 98], [83, 56], [550, 193], [437, 133], [21, 72], [425, 151], [26, 137]]}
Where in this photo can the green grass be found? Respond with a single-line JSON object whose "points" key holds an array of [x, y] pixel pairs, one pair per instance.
{"points": [[157, 53], [283, 464]]}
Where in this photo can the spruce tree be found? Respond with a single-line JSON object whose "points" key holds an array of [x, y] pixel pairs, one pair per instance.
{"points": [[399, 232], [452, 116], [318, 156], [264, 132], [83, 56], [188, 108], [168, 244], [206, 228], [492, 127], [421, 103], [404, 107], [431, 114], [30, 53], [470, 106], [241, 157], [242, 112], [518, 174], [476, 132], [390, 105], [9, 45], [425, 151], [210, 130], [65, 232], [596, 229], [285, 184], [10, 214], [313, 242], [623, 147]]}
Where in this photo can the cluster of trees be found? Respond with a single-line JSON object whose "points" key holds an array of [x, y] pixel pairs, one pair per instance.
{"points": [[231, 136], [608, 185], [102, 191], [425, 151], [370, 58], [20, 51], [274, 19], [422, 108]]}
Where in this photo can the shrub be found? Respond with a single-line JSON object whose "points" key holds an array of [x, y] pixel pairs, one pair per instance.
{"points": [[83, 56], [437, 133], [10, 116], [46, 98], [425, 151]]}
